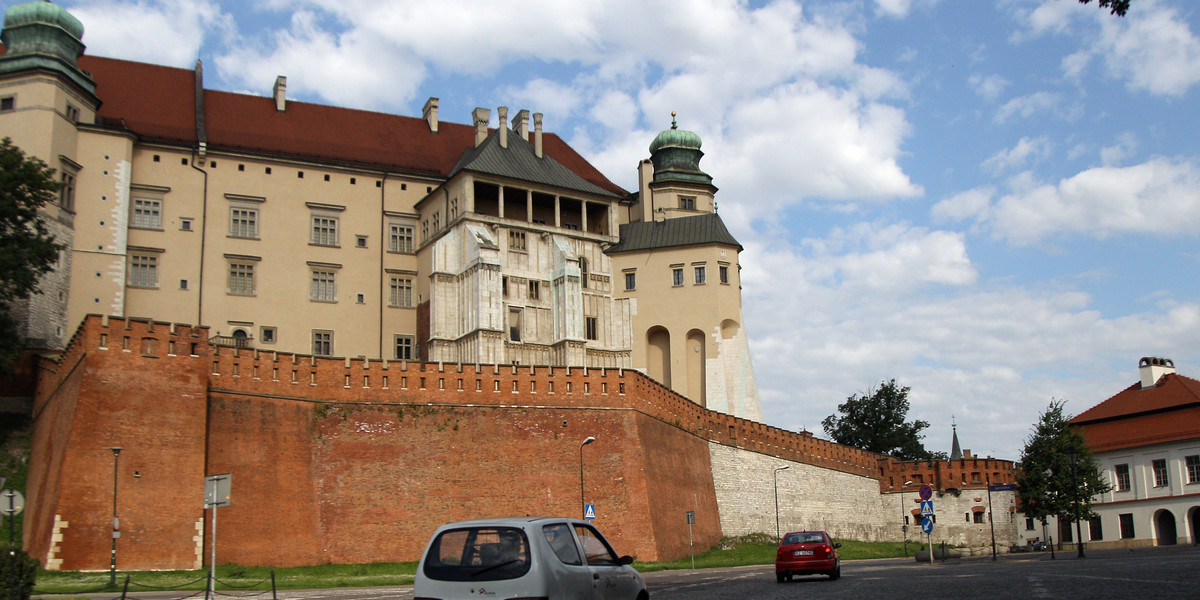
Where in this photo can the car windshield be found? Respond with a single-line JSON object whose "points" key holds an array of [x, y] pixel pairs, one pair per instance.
{"points": [[478, 554], [804, 538]]}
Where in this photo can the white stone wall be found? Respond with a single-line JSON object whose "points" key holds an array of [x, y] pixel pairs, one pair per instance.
{"points": [[846, 505]]}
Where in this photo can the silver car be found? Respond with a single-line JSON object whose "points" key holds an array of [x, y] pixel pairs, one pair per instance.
{"points": [[526, 558]]}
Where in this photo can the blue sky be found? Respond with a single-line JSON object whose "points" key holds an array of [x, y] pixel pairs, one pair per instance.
{"points": [[994, 202]]}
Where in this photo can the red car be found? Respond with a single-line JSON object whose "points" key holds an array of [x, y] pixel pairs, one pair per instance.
{"points": [[807, 553]]}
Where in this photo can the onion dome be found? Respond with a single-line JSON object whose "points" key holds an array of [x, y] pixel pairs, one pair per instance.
{"points": [[676, 156], [43, 35], [45, 13]]}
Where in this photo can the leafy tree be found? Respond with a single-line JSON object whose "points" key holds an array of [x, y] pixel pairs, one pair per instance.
{"points": [[27, 248], [874, 421], [1116, 7], [1047, 483]]}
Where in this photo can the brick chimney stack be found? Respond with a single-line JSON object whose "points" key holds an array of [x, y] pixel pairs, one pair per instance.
{"points": [[481, 117]]}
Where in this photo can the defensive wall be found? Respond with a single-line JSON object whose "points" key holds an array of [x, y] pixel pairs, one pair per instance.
{"points": [[346, 461]]}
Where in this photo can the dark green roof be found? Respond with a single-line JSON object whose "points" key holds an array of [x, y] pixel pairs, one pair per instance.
{"points": [[519, 161], [684, 231]]}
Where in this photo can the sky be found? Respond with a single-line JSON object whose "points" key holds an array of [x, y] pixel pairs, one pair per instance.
{"points": [[995, 203]]}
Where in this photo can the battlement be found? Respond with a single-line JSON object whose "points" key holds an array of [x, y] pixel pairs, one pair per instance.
{"points": [[314, 379]]}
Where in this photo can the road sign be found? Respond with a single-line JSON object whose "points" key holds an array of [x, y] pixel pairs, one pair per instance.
{"points": [[11, 502], [926, 492], [927, 508], [1002, 488], [217, 490], [589, 512], [927, 525], [691, 517]]}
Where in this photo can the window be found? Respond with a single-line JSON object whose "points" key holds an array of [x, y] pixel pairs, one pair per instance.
{"points": [[1065, 531], [453, 210], [1159, 465], [514, 324], [516, 240], [72, 113], [401, 292], [504, 286], [147, 213], [66, 195], [535, 290], [324, 286], [723, 270], [630, 281], [241, 278], [360, 241], [590, 328], [1095, 529], [400, 238], [687, 202], [1193, 468], [595, 548], [324, 231], [243, 222], [1123, 483], [185, 224], [700, 275], [1029, 524], [1126, 520], [979, 517], [143, 270], [583, 273], [322, 342], [8, 103], [404, 347], [266, 335], [563, 544], [677, 276]]}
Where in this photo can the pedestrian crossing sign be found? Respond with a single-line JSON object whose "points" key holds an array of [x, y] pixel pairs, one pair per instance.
{"points": [[589, 512]]}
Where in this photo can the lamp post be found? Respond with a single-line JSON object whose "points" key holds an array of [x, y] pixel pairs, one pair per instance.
{"points": [[116, 524], [582, 503], [1075, 501], [904, 512], [777, 470]]}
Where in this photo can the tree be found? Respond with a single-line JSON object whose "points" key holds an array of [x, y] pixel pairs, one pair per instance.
{"points": [[1047, 483], [27, 249], [1116, 7], [874, 421]]}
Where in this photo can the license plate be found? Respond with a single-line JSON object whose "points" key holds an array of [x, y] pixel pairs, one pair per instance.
{"points": [[802, 553]]}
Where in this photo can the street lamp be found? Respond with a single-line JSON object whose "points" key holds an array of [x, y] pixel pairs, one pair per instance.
{"points": [[904, 511], [1075, 500], [777, 470], [582, 503], [116, 524]]}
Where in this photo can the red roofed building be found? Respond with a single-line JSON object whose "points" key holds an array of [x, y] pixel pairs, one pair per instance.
{"points": [[303, 228], [1147, 442]]}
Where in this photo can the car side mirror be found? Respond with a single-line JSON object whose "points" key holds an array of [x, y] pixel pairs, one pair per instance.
{"points": [[837, 545], [625, 560]]}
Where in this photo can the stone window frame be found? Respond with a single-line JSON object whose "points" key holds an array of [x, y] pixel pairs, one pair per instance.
{"points": [[241, 276], [397, 297], [322, 281], [143, 268], [1192, 465], [1122, 477], [1158, 467], [322, 342], [404, 346], [247, 211], [402, 236], [325, 224], [147, 207]]}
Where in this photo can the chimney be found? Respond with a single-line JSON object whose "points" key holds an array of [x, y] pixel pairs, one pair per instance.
{"points": [[537, 134], [481, 117], [502, 116], [278, 93], [1152, 369], [429, 113], [521, 124]]}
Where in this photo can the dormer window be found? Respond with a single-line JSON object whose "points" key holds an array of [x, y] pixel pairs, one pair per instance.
{"points": [[687, 202]]}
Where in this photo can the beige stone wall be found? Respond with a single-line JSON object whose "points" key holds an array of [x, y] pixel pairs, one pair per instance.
{"points": [[847, 506]]}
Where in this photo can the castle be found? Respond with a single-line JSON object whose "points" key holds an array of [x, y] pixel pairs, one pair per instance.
{"points": [[398, 321]]}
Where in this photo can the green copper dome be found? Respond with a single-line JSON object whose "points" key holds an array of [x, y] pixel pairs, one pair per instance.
{"points": [[43, 35], [46, 13], [676, 156]]}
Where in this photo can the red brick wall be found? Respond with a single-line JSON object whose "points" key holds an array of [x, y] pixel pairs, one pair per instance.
{"points": [[357, 461]]}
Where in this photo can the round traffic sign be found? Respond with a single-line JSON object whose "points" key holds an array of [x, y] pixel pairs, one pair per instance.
{"points": [[926, 492], [927, 526]]}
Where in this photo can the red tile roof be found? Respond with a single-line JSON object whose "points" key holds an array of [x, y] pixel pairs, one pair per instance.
{"points": [[158, 103], [1167, 412]]}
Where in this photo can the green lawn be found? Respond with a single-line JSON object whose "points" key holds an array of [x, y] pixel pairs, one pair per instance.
{"points": [[750, 550]]}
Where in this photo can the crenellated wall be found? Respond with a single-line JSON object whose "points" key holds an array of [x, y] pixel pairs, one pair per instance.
{"points": [[348, 461]]}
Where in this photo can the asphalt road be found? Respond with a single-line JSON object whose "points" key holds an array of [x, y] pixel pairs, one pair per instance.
{"points": [[1165, 573]]}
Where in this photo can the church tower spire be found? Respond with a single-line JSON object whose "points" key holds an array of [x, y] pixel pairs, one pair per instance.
{"points": [[955, 449]]}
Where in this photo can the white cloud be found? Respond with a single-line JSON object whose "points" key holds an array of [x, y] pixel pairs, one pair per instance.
{"points": [[167, 32], [1016, 157], [989, 87], [1038, 103], [894, 8], [1157, 197], [972, 204]]}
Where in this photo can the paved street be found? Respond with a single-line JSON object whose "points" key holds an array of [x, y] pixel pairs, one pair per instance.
{"points": [[1159, 573]]}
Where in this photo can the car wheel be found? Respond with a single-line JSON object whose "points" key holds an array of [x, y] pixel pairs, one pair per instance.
{"points": [[835, 573], [780, 577]]}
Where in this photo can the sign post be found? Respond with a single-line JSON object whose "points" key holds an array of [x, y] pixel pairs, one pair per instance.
{"points": [[691, 518], [217, 490]]}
